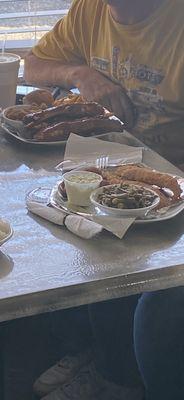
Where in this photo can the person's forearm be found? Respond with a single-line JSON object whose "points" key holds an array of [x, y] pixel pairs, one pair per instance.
{"points": [[92, 85], [52, 73]]}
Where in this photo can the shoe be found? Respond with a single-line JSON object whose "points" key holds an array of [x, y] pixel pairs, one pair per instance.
{"points": [[89, 385], [60, 373], [86, 385]]}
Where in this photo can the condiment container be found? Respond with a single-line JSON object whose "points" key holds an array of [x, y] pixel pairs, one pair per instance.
{"points": [[79, 186]]}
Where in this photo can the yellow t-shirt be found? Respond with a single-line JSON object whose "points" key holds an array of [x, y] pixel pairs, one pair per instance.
{"points": [[146, 58]]}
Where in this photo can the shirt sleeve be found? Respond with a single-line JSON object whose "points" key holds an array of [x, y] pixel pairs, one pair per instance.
{"points": [[65, 42]]}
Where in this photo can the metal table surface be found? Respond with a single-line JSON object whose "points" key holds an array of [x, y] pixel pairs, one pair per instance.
{"points": [[45, 267]]}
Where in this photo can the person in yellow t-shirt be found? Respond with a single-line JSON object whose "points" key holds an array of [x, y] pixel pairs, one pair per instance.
{"points": [[126, 55]]}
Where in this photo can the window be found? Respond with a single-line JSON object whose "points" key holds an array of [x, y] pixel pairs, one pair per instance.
{"points": [[23, 22]]}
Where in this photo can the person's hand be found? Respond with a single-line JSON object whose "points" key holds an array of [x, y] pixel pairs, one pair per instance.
{"points": [[94, 86]]}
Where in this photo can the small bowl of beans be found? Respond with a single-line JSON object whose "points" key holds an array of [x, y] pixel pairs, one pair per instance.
{"points": [[126, 200]]}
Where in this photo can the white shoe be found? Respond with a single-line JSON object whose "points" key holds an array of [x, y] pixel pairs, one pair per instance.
{"points": [[85, 386], [60, 373], [89, 385]]}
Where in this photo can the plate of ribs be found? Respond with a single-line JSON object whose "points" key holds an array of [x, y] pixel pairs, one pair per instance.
{"points": [[169, 188], [51, 124]]}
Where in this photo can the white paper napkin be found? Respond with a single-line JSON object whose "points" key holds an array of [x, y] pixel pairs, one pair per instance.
{"points": [[79, 225], [118, 226], [80, 150]]}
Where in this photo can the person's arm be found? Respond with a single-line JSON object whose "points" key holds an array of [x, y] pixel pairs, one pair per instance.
{"points": [[62, 56], [92, 85], [44, 72]]}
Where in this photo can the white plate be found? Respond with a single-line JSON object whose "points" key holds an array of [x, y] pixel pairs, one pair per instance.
{"points": [[6, 129], [9, 232], [57, 201]]}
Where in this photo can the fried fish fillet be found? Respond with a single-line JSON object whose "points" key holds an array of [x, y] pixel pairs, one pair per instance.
{"points": [[147, 175]]}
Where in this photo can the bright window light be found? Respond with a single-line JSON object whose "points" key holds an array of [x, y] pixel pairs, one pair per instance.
{"points": [[23, 22]]}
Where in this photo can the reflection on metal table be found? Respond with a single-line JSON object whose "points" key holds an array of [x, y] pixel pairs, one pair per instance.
{"points": [[45, 268]]}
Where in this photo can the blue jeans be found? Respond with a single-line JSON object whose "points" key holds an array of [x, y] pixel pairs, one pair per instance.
{"points": [[159, 343], [141, 338]]}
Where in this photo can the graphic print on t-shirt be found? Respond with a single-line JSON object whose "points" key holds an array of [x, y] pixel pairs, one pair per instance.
{"points": [[141, 83]]}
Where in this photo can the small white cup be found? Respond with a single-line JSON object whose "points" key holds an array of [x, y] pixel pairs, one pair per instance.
{"points": [[79, 186], [9, 67]]}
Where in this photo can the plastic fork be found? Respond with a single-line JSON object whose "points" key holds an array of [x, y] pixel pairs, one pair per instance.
{"points": [[102, 162]]}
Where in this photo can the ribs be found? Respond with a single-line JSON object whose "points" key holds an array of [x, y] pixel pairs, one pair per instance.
{"points": [[84, 127], [63, 112]]}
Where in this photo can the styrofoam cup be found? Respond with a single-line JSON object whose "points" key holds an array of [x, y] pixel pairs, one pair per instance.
{"points": [[9, 67]]}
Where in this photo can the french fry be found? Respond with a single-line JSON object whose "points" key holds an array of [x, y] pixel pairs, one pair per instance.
{"points": [[70, 99]]}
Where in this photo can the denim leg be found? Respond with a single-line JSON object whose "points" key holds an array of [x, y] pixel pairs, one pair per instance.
{"points": [[112, 324], [159, 343]]}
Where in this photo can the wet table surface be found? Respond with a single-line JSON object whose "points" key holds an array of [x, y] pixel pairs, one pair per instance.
{"points": [[45, 267]]}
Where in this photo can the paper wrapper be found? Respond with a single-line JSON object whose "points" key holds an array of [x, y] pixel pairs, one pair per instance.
{"points": [[81, 150]]}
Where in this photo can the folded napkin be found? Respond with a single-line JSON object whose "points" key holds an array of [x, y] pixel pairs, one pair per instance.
{"points": [[80, 226], [76, 224], [86, 150]]}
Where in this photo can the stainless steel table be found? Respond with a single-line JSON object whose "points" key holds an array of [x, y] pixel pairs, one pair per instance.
{"points": [[45, 268]]}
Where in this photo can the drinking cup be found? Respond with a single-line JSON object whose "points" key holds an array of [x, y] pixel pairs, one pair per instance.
{"points": [[9, 67]]}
